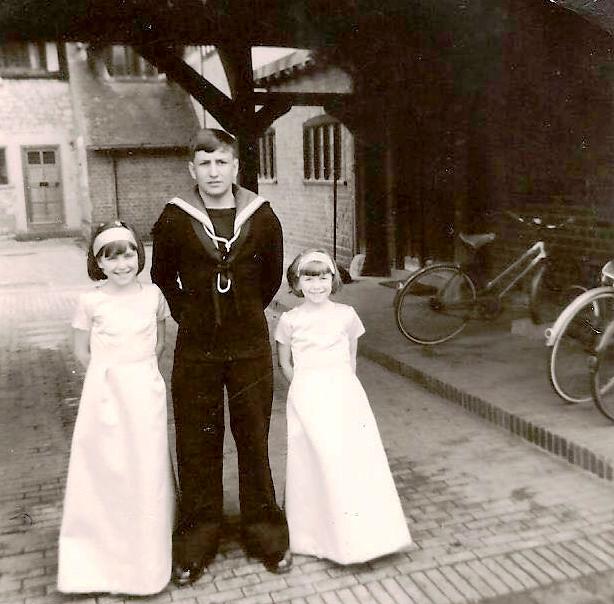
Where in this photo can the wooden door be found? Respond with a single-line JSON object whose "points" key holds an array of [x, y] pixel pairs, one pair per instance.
{"points": [[43, 186]]}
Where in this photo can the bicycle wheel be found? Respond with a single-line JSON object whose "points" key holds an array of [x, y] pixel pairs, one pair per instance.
{"points": [[602, 374], [548, 296], [575, 344], [435, 304]]}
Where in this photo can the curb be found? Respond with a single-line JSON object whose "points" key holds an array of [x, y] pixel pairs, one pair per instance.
{"points": [[560, 446]]}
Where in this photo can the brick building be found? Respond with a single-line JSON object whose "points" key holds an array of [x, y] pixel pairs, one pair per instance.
{"points": [[456, 110], [300, 154], [39, 177], [465, 111], [87, 135], [450, 122], [134, 126]]}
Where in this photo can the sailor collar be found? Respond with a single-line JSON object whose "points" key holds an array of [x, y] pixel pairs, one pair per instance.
{"points": [[222, 249], [241, 217]]}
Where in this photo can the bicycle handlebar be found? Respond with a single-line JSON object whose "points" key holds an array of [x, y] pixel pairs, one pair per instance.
{"points": [[537, 222]]}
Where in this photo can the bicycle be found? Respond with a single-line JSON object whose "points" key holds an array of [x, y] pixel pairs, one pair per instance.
{"points": [[436, 303], [601, 364], [575, 337]]}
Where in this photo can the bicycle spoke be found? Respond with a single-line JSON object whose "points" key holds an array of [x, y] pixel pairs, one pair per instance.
{"points": [[604, 390], [570, 375], [547, 300], [603, 380], [434, 304], [574, 345]]}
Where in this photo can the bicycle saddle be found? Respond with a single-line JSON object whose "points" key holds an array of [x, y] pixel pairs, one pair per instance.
{"points": [[607, 272], [476, 241]]}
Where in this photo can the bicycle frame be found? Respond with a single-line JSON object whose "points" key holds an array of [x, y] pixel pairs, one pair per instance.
{"points": [[538, 253]]}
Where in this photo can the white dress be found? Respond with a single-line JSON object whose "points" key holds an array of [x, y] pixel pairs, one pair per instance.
{"points": [[119, 502], [341, 501]]}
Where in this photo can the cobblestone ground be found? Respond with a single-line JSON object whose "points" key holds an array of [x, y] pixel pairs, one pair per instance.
{"points": [[493, 519]]}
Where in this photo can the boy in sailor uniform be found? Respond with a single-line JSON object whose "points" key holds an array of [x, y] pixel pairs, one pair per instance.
{"points": [[217, 257]]}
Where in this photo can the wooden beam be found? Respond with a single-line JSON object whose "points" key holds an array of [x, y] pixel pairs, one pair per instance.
{"points": [[311, 99], [236, 57], [267, 114], [216, 102]]}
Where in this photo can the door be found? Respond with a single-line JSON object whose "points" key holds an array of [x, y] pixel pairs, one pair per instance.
{"points": [[43, 186]]}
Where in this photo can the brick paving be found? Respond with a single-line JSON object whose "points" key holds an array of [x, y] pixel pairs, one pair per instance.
{"points": [[493, 518]]}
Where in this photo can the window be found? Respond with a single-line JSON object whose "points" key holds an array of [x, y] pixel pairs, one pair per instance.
{"points": [[125, 62], [22, 57], [321, 148], [266, 155], [4, 175]]}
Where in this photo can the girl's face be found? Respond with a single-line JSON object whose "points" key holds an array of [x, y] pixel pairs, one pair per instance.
{"points": [[121, 268], [316, 288]]}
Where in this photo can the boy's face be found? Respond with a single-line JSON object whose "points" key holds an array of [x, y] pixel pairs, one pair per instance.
{"points": [[214, 171]]}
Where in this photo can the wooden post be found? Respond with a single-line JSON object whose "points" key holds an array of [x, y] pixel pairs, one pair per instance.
{"points": [[391, 196], [237, 62]]}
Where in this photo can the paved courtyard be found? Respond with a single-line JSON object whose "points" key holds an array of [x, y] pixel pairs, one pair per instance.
{"points": [[493, 518]]}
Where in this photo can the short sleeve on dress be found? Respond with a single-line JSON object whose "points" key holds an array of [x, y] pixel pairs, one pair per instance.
{"points": [[82, 319], [283, 330], [163, 311], [355, 327]]}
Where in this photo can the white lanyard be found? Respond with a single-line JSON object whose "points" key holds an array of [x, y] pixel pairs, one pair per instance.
{"points": [[208, 228], [216, 239]]}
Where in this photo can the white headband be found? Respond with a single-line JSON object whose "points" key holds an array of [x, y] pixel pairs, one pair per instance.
{"points": [[316, 257], [110, 235]]}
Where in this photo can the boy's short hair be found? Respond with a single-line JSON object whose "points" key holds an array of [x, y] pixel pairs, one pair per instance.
{"points": [[292, 274], [115, 247], [211, 139]]}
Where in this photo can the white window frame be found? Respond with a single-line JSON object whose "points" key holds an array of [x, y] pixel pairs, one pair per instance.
{"points": [[322, 149], [124, 63], [267, 156], [24, 58]]}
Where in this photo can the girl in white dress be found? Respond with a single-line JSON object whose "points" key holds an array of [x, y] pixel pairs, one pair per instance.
{"points": [[118, 508], [341, 501]]}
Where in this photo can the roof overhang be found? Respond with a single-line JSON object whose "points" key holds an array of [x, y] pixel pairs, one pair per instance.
{"points": [[258, 23], [291, 23]]}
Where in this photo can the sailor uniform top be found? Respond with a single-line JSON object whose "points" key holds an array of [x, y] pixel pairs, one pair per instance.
{"points": [[217, 287]]}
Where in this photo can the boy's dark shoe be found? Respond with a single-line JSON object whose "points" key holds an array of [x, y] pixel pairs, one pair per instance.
{"points": [[279, 567], [186, 574], [193, 551], [268, 541]]}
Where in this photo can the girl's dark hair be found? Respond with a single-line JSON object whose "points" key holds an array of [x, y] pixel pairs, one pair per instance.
{"points": [[113, 249], [292, 274]]}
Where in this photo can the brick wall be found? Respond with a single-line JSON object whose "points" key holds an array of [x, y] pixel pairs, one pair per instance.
{"points": [[36, 112], [510, 110], [102, 188], [553, 140], [145, 182], [8, 200], [305, 208], [30, 105]]}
